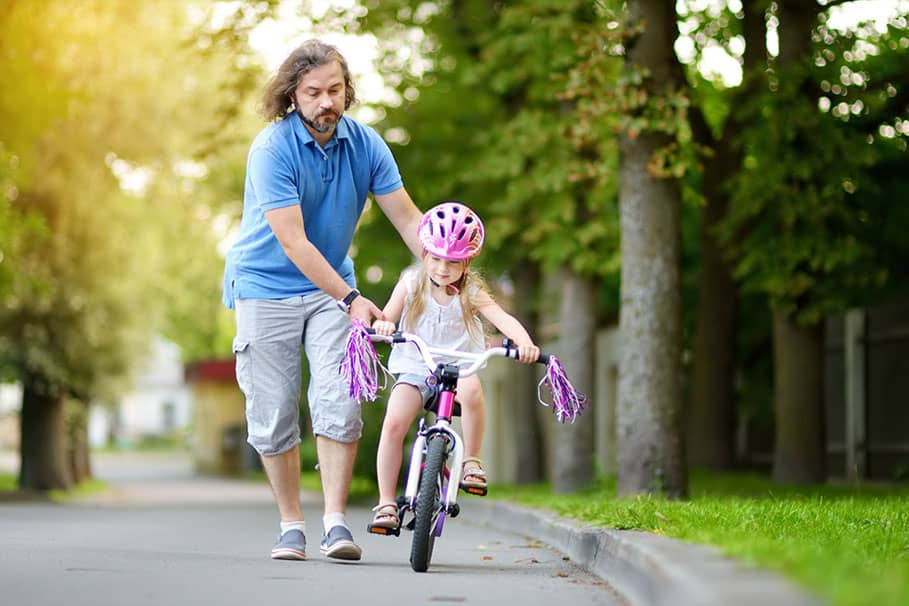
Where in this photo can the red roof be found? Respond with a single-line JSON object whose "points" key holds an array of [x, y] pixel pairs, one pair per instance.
{"points": [[211, 371]]}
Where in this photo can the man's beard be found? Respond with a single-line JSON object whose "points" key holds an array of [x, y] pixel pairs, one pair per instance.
{"points": [[323, 127]]}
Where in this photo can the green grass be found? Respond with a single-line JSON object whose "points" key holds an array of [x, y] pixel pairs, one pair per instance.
{"points": [[85, 488], [10, 483], [848, 544]]}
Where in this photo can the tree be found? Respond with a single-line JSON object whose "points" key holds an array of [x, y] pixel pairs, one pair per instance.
{"points": [[710, 413], [650, 446], [106, 182], [511, 153], [804, 196]]}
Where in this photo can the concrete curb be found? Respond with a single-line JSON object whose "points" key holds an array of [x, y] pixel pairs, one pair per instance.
{"points": [[647, 569]]}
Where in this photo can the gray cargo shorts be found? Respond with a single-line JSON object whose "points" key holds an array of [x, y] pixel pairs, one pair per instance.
{"points": [[271, 334]]}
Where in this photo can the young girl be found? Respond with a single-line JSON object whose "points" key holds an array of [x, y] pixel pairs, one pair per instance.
{"points": [[440, 300]]}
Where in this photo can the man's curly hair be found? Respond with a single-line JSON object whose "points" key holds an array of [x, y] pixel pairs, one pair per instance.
{"points": [[278, 96]]}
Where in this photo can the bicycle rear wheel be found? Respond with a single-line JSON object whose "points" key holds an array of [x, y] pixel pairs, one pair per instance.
{"points": [[428, 506]]}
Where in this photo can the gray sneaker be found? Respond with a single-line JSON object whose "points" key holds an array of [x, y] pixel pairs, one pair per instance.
{"points": [[338, 543], [290, 546]]}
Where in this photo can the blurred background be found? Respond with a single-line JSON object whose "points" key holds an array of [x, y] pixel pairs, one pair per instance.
{"points": [[781, 127]]}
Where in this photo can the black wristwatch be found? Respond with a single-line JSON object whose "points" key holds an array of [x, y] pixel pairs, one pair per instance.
{"points": [[344, 304]]}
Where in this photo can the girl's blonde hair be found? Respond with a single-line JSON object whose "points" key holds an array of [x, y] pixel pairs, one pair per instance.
{"points": [[469, 287]]}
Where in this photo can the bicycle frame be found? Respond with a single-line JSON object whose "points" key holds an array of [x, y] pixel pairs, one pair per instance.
{"points": [[442, 425]]}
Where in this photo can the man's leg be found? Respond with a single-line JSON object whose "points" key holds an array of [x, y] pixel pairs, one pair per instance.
{"points": [[267, 348], [336, 420], [336, 462], [283, 471]]}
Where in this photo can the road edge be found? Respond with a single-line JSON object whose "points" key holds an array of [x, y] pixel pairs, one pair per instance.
{"points": [[647, 569]]}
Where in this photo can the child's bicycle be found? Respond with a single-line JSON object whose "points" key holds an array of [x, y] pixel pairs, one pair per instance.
{"points": [[434, 470]]}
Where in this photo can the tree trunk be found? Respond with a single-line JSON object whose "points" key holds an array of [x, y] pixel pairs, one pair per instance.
{"points": [[798, 351], [44, 464], [798, 359], [525, 423], [710, 417], [77, 440], [573, 468], [650, 442]]}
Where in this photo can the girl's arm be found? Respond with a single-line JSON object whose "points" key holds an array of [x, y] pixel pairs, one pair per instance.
{"points": [[393, 309], [509, 326]]}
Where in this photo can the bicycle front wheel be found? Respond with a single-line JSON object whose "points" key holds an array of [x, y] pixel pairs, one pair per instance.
{"points": [[428, 506]]}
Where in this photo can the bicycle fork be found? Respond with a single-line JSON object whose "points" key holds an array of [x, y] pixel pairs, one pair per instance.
{"points": [[453, 471]]}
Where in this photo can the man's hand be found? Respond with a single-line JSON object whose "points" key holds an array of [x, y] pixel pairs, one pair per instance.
{"points": [[383, 327], [364, 310]]}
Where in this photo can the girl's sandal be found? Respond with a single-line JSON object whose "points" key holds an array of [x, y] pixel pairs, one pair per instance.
{"points": [[473, 477], [386, 520]]}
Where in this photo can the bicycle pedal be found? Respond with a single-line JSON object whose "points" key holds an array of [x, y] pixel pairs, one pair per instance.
{"points": [[383, 531], [475, 490]]}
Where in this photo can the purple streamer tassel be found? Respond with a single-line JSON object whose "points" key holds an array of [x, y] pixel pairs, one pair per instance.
{"points": [[360, 365], [567, 402]]}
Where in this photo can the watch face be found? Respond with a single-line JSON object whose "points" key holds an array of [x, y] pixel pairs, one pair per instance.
{"points": [[343, 306]]}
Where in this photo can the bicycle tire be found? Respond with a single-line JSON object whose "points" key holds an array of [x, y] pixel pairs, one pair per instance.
{"points": [[428, 503]]}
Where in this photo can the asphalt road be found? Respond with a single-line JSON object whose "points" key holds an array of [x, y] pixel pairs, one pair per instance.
{"points": [[163, 536]]}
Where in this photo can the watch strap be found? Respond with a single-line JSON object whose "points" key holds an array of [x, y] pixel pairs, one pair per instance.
{"points": [[353, 294]]}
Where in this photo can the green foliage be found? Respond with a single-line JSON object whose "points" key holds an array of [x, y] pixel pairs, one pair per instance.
{"points": [[105, 182], [810, 197], [488, 123], [848, 544]]}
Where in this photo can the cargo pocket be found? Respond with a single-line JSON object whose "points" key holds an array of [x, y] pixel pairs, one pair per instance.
{"points": [[244, 366]]}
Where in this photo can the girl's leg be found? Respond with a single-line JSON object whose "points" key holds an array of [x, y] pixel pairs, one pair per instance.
{"points": [[404, 404], [473, 415]]}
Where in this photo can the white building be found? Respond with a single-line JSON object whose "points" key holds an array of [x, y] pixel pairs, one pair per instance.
{"points": [[158, 406]]}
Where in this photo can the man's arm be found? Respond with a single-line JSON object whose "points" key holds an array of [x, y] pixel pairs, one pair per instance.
{"points": [[287, 224], [404, 215]]}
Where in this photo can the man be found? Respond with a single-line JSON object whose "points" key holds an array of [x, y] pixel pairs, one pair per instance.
{"points": [[292, 284]]}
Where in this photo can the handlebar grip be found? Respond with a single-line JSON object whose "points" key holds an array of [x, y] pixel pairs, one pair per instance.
{"points": [[543, 359], [369, 331]]}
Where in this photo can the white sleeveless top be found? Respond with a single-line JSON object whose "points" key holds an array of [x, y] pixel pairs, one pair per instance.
{"points": [[440, 326]]}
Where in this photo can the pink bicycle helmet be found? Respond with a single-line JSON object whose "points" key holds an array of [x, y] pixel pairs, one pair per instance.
{"points": [[451, 231]]}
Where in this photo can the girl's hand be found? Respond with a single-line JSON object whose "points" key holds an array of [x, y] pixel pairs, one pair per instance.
{"points": [[383, 327], [528, 354]]}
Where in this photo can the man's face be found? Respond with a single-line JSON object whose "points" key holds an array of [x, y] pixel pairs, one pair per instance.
{"points": [[320, 97]]}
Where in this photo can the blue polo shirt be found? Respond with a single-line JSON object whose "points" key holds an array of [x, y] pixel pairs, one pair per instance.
{"points": [[287, 166]]}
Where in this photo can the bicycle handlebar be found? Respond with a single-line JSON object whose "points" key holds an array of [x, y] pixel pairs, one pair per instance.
{"points": [[426, 351]]}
